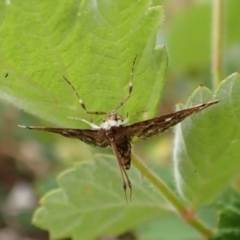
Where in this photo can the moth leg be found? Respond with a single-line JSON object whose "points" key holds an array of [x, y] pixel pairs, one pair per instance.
{"points": [[130, 86], [128, 117], [81, 101], [94, 126]]}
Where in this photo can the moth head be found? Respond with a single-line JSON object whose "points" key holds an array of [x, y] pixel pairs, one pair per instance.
{"points": [[112, 119]]}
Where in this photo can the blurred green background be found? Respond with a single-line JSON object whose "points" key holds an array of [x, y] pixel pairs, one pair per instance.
{"points": [[26, 175]]}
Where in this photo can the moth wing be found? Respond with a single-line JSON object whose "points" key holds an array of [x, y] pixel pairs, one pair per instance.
{"points": [[89, 136], [158, 125]]}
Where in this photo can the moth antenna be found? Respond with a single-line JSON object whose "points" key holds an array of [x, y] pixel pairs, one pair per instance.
{"points": [[129, 184], [125, 190], [125, 185], [123, 172], [130, 188]]}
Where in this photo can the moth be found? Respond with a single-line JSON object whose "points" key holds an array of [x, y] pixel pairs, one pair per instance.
{"points": [[114, 131]]}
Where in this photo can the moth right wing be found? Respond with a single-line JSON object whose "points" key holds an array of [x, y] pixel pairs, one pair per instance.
{"points": [[158, 125], [89, 136]]}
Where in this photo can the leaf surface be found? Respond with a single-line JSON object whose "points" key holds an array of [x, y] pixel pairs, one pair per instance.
{"points": [[90, 202], [93, 44], [206, 153]]}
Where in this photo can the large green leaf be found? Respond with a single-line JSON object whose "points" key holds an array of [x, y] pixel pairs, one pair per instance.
{"points": [[206, 153], [90, 202], [93, 44]]}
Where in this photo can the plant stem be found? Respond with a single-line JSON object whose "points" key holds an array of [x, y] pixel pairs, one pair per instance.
{"points": [[186, 214], [217, 41]]}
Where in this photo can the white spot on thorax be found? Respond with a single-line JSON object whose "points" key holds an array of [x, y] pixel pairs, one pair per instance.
{"points": [[111, 123], [112, 119]]}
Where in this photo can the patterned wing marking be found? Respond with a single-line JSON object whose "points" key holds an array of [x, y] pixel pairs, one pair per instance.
{"points": [[122, 144], [124, 150], [158, 125], [91, 137]]}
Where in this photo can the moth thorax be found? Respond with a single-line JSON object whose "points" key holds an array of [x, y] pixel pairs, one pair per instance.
{"points": [[112, 119]]}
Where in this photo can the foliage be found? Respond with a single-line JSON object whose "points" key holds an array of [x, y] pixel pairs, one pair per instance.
{"points": [[93, 44], [98, 39]]}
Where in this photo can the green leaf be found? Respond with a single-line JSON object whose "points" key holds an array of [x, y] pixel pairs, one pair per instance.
{"points": [[229, 207], [93, 44], [232, 33], [90, 202], [152, 230], [189, 35], [206, 153]]}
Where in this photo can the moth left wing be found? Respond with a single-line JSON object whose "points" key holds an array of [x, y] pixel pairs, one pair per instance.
{"points": [[158, 125], [89, 136]]}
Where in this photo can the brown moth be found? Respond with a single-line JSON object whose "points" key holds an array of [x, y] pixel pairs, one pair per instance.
{"points": [[115, 133]]}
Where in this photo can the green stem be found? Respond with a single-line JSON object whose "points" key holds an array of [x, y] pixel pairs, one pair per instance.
{"points": [[217, 41], [185, 213]]}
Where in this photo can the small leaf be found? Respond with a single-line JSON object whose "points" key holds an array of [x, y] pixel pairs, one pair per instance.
{"points": [[206, 153], [90, 202], [229, 206]]}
